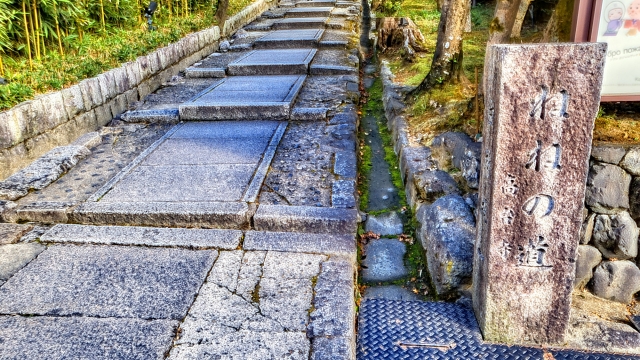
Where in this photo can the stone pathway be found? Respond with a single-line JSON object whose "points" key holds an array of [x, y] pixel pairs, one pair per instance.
{"points": [[230, 235]]}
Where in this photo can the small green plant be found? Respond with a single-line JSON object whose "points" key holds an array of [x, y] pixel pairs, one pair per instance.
{"points": [[14, 93]]}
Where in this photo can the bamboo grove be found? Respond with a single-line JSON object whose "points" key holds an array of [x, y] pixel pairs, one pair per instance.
{"points": [[48, 44]]}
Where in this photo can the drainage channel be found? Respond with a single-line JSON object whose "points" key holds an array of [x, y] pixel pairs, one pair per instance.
{"points": [[392, 263]]}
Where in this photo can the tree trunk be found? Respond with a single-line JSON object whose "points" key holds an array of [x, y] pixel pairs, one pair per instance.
{"points": [[400, 32], [522, 13], [559, 26], [503, 20], [446, 66], [221, 12]]}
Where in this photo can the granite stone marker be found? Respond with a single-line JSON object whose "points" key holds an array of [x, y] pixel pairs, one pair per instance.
{"points": [[540, 106]]}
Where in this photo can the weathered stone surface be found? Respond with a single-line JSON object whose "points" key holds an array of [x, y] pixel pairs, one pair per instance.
{"points": [[414, 160], [631, 161], [132, 235], [384, 224], [607, 189], [305, 218], [47, 212], [470, 164], [288, 39], [308, 12], [616, 236], [107, 282], [11, 233], [272, 62], [245, 97], [343, 194], [329, 244], [389, 292], [84, 338], [88, 140], [587, 332], [14, 257], [634, 198], [447, 235], [228, 215], [384, 260], [610, 154], [586, 231], [434, 184], [455, 143], [42, 172], [588, 258], [334, 347], [540, 106], [616, 280], [345, 165]]}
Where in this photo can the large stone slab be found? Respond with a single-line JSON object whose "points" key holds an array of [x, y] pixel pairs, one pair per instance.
{"points": [[84, 338], [207, 151], [14, 257], [221, 130], [329, 244], [175, 183], [288, 39], [305, 219], [273, 62], [300, 12], [134, 235], [226, 215], [245, 97], [106, 281], [301, 23], [315, 3], [541, 102], [384, 260]]}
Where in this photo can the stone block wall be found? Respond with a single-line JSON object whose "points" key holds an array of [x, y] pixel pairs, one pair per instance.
{"points": [[32, 128], [608, 259]]}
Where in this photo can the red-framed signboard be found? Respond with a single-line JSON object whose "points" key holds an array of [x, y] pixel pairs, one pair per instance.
{"points": [[616, 22]]}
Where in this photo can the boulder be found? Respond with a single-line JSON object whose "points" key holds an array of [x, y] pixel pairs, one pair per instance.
{"points": [[588, 258], [447, 235], [634, 198], [616, 280], [470, 164], [607, 189], [455, 143], [433, 184], [616, 236], [586, 232], [631, 161], [611, 154]]}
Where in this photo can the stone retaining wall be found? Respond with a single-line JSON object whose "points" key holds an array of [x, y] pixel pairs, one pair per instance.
{"points": [[34, 127], [444, 205]]}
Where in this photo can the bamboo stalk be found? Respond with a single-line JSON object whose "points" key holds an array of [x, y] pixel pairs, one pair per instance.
{"points": [[34, 30], [55, 10], [102, 15], [26, 30], [1, 66], [41, 34]]}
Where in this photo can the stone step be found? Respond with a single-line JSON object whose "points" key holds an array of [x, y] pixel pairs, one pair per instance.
{"points": [[301, 23], [316, 3], [196, 72], [300, 12], [273, 62], [245, 98], [147, 236], [290, 39], [330, 244], [305, 219]]}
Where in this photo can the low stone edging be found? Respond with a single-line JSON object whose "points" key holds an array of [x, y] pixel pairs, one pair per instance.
{"points": [[34, 127]]}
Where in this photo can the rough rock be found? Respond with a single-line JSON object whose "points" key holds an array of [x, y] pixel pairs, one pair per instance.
{"points": [[455, 143], [42, 172], [590, 332], [11, 233], [588, 258], [384, 260], [611, 154], [616, 236], [634, 198], [470, 164], [586, 232], [616, 280], [607, 189], [384, 224], [631, 161], [448, 234], [433, 184]]}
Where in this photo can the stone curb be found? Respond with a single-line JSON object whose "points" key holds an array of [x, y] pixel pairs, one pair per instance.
{"points": [[330, 244], [305, 218]]}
